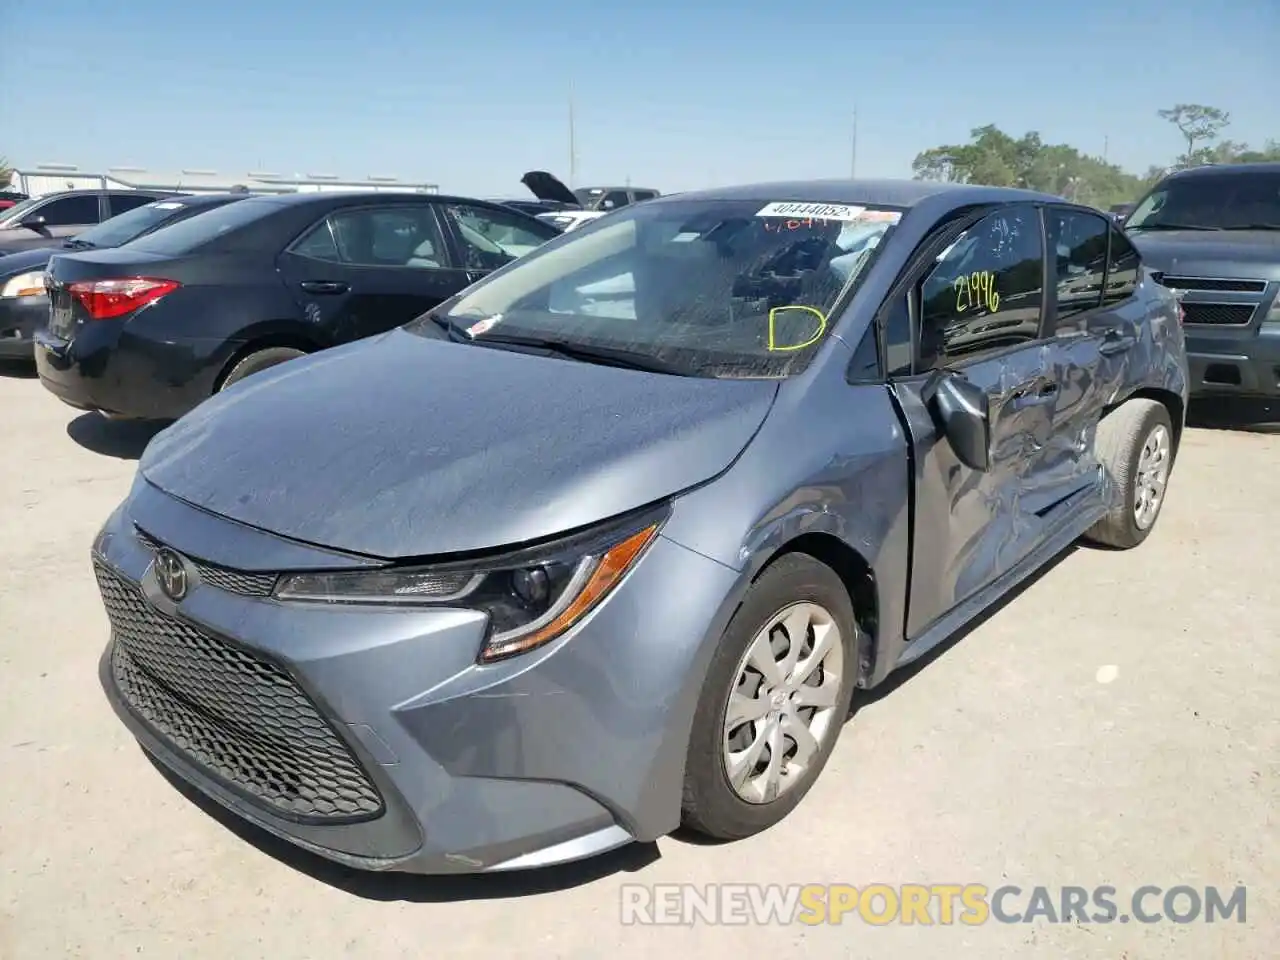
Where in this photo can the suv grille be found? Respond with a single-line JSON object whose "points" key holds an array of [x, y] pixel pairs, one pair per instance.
{"points": [[233, 581], [242, 718], [1213, 283], [1218, 314]]}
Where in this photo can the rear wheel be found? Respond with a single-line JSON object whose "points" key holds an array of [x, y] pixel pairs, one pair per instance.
{"points": [[1135, 446], [258, 361], [774, 700]]}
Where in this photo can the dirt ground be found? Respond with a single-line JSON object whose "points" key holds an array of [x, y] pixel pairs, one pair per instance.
{"points": [[1116, 723]]}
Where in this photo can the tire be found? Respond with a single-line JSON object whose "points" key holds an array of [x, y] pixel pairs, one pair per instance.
{"points": [[796, 584], [1127, 438], [258, 361]]}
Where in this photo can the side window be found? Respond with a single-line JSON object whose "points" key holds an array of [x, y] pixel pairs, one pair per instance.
{"points": [[70, 211], [985, 291], [124, 202], [614, 199], [1123, 263], [491, 238], [377, 237], [1078, 241], [644, 195]]}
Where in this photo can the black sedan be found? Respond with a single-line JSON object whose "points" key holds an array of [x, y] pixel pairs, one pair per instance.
{"points": [[151, 329], [24, 307]]}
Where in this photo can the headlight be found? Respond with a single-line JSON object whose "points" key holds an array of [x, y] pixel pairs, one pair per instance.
{"points": [[530, 596], [1273, 315], [24, 285]]}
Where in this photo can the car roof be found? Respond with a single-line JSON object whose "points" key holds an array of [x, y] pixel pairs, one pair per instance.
{"points": [[1227, 169], [888, 193]]}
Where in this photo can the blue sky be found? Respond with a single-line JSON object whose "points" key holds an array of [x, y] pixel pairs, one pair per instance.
{"points": [[675, 95]]}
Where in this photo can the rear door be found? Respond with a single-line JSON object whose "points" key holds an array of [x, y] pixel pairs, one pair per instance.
{"points": [[1095, 320], [364, 270], [977, 308], [485, 238]]}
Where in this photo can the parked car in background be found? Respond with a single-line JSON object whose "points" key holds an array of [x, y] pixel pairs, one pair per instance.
{"points": [[40, 221], [1213, 233], [152, 328], [1121, 210], [583, 205], [9, 198], [605, 543], [24, 304], [535, 207]]}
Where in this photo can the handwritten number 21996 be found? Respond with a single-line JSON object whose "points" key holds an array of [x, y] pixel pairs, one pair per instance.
{"points": [[977, 291]]}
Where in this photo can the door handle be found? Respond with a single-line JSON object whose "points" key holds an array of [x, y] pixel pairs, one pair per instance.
{"points": [[325, 286], [1041, 391], [1116, 341]]}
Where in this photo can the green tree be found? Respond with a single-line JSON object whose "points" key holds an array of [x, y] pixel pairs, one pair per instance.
{"points": [[1198, 124], [6, 172], [995, 158]]}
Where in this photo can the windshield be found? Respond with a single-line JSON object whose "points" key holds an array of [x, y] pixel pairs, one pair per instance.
{"points": [[17, 211], [1219, 201], [717, 288], [126, 226], [187, 235]]}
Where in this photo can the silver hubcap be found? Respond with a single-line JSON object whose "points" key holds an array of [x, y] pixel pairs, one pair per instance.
{"points": [[1153, 475], [783, 702]]}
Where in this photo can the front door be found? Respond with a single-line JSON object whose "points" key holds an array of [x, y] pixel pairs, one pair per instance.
{"points": [[979, 311], [366, 270]]}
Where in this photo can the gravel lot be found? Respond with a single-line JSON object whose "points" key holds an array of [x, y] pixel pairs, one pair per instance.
{"points": [[1116, 723]]}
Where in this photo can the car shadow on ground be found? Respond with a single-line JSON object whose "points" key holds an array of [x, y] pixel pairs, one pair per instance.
{"points": [[415, 888], [123, 439], [1243, 414], [17, 370]]}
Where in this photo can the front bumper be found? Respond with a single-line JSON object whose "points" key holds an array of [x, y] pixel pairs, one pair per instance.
{"points": [[372, 737], [20, 318], [1235, 366]]}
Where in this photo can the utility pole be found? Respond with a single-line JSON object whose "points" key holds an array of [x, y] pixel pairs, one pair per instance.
{"points": [[853, 152], [573, 149], [1106, 146]]}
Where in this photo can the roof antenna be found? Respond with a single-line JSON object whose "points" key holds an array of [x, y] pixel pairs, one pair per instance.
{"points": [[853, 152]]}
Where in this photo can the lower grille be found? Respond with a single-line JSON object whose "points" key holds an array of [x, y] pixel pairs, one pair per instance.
{"points": [[1218, 314], [233, 581], [240, 717]]}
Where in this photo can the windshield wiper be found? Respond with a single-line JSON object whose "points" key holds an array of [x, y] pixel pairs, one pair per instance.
{"points": [[1253, 226], [1171, 226], [588, 353]]}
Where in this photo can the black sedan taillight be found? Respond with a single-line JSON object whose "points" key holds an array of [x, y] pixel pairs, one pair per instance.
{"points": [[108, 299]]}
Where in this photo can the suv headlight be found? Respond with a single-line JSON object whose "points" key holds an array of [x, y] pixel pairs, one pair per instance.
{"points": [[1273, 315], [531, 596], [24, 285]]}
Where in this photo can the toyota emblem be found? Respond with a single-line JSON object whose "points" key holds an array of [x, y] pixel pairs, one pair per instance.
{"points": [[171, 574]]}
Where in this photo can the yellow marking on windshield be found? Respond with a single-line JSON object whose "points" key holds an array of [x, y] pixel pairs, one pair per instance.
{"points": [[773, 342]]}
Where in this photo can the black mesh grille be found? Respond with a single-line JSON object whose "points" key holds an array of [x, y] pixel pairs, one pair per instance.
{"points": [[233, 581], [1218, 314], [1213, 283], [239, 716]]}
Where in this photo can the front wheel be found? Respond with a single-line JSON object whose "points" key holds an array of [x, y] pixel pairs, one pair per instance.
{"points": [[257, 361], [1135, 447], [775, 698]]}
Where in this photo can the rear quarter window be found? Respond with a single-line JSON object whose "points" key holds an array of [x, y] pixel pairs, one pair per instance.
{"points": [[187, 236]]}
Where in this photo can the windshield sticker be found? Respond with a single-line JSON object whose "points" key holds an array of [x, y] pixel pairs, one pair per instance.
{"points": [[685, 237], [484, 326], [977, 291], [774, 347], [880, 216], [166, 205], [819, 211]]}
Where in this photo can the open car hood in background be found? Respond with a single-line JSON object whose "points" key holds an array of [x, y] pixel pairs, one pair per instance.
{"points": [[546, 187]]}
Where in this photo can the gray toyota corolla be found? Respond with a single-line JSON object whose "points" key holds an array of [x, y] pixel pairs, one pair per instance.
{"points": [[604, 544]]}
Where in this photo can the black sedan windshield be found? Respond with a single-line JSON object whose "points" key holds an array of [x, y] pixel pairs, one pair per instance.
{"points": [[1219, 201], [720, 288]]}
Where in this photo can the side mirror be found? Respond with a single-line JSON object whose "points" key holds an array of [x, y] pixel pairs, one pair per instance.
{"points": [[33, 222], [963, 415]]}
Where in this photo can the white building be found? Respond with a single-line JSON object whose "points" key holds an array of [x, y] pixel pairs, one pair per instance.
{"points": [[52, 177]]}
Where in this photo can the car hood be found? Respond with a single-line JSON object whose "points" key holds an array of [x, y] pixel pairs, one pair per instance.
{"points": [[1229, 254], [24, 261], [546, 187], [403, 446]]}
